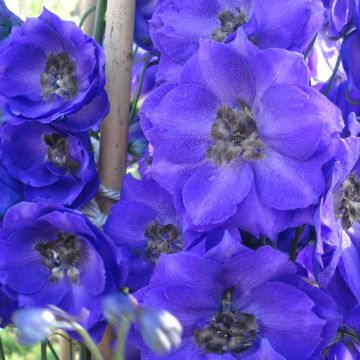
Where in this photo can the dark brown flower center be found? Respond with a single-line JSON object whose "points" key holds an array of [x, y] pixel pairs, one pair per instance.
{"points": [[165, 239], [59, 76], [58, 152], [350, 203], [230, 21], [228, 331], [62, 256], [235, 134]]}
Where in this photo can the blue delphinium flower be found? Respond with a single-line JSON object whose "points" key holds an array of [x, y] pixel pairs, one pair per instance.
{"points": [[242, 137], [145, 225], [49, 68], [50, 162], [7, 20], [51, 255], [338, 211], [177, 26], [249, 306]]}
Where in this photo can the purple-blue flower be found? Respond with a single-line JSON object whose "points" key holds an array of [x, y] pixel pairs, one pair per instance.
{"points": [[7, 20], [177, 26], [249, 306], [338, 210], [145, 224], [50, 162], [51, 255], [49, 69], [242, 136]]}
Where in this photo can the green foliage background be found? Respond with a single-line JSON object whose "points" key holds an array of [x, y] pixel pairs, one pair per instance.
{"points": [[66, 9]]}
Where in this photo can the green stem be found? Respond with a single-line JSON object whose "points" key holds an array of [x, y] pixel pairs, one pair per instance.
{"points": [[333, 75], [86, 14], [52, 350], [295, 243], [70, 350], [2, 353], [87, 340], [43, 351], [99, 25], [311, 45], [121, 339], [139, 88]]}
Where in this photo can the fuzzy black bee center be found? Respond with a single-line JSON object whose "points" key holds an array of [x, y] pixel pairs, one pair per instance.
{"points": [[161, 239], [228, 331], [58, 152], [62, 256], [230, 21], [350, 203], [235, 134], [59, 77]]}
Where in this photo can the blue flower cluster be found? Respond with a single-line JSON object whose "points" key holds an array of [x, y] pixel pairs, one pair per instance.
{"points": [[244, 222]]}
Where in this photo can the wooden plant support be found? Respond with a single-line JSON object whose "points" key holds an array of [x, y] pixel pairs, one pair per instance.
{"points": [[114, 129]]}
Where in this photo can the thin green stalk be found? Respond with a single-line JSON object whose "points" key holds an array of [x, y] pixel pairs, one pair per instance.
{"points": [[295, 243], [87, 340], [43, 351], [333, 75], [70, 349], [121, 339], [311, 45], [2, 353], [52, 350], [86, 14], [99, 25], [139, 88]]}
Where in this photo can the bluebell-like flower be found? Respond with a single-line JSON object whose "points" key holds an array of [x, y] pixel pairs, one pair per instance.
{"points": [[51, 255], [249, 306], [119, 307], [49, 69], [7, 20], [177, 26], [160, 330], [242, 136], [50, 162], [34, 325]]}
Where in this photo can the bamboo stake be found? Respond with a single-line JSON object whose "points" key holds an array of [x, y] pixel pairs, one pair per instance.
{"points": [[113, 143], [118, 47]]}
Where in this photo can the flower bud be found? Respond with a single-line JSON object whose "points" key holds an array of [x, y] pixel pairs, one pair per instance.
{"points": [[118, 307], [160, 330], [33, 325]]}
